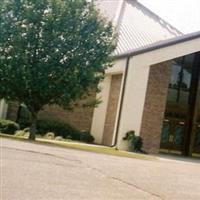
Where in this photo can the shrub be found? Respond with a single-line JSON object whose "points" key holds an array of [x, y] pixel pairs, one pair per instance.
{"points": [[8, 126], [135, 141], [63, 129], [23, 123], [86, 137], [26, 129], [57, 127], [24, 117]]}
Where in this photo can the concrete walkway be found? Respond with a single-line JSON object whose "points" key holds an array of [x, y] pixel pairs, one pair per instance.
{"points": [[38, 172]]}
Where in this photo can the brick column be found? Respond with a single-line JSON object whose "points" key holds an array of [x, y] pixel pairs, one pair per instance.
{"points": [[154, 107], [112, 109]]}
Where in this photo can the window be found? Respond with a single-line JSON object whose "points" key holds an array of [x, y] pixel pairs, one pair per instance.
{"points": [[180, 82]]}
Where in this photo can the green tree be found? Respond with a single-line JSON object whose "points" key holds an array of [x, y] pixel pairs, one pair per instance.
{"points": [[51, 52]]}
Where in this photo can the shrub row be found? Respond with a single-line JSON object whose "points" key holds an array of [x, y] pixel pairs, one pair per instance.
{"points": [[64, 130], [45, 126]]}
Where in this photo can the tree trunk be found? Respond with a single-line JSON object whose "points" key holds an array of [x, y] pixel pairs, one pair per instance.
{"points": [[33, 127]]}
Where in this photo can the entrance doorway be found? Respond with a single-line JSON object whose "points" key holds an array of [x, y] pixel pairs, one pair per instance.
{"points": [[196, 146], [181, 126]]}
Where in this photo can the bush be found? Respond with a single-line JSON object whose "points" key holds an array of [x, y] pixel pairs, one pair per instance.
{"points": [[135, 141], [8, 126], [86, 137], [63, 129], [23, 123], [57, 127], [24, 117]]}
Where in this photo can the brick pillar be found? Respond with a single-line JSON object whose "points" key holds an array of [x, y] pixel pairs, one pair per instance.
{"points": [[154, 108], [112, 109]]}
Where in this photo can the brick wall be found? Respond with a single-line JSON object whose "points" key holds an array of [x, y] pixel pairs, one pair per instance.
{"points": [[12, 111], [80, 117], [154, 108], [112, 109]]}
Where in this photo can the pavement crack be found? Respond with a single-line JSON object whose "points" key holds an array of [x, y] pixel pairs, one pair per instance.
{"points": [[137, 187], [124, 182], [90, 167], [47, 154]]}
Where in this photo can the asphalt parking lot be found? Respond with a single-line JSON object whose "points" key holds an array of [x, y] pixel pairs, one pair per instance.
{"points": [[32, 171]]}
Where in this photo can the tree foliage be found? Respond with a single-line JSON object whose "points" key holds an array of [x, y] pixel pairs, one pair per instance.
{"points": [[51, 51]]}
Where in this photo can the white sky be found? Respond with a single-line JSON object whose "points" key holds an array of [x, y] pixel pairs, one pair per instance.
{"points": [[182, 14]]}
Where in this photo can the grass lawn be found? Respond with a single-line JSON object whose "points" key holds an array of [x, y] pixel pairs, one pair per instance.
{"points": [[84, 147]]}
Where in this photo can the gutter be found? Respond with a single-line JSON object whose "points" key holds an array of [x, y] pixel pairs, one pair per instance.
{"points": [[159, 45], [121, 103]]}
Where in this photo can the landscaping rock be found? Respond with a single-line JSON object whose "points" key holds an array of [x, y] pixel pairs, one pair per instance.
{"points": [[49, 135], [19, 133], [59, 138], [22, 133]]}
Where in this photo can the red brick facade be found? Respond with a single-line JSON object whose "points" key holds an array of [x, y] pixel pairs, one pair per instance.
{"points": [[154, 108], [153, 113], [112, 109], [12, 111], [80, 117]]}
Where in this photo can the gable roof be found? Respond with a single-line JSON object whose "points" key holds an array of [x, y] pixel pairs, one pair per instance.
{"points": [[109, 8], [136, 25], [161, 44], [182, 14]]}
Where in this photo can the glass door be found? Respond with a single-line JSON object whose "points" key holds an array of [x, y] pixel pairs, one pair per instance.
{"points": [[196, 129], [176, 123], [196, 148]]}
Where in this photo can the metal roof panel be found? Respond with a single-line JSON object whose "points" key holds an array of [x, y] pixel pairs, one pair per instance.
{"points": [[137, 26], [108, 7]]}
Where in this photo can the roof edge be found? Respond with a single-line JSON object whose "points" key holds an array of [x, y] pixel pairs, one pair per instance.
{"points": [[118, 13], [159, 45], [159, 18]]}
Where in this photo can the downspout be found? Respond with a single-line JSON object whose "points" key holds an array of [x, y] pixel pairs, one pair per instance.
{"points": [[121, 103], [117, 24]]}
